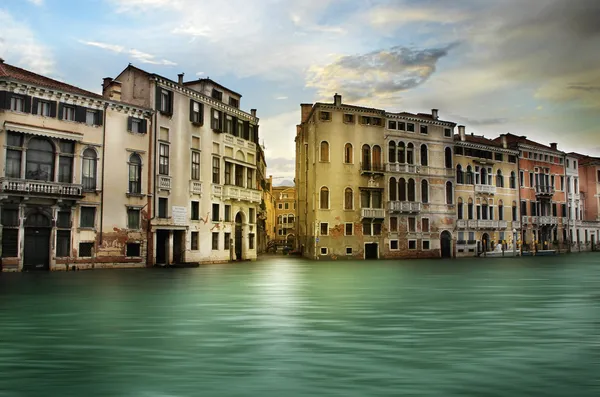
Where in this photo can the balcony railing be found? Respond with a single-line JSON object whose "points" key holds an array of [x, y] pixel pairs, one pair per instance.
{"points": [[372, 213], [195, 187], [435, 171], [547, 220], [404, 206], [216, 190], [525, 220], [481, 224], [461, 224], [164, 182], [544, 190], [240, 193], [574, 196], [489, 189], [502, 224], [371, 168], [516, 224], [41, 187], [404, 168]]}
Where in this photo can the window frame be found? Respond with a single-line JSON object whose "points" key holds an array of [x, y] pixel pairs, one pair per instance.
{"points": [[84, 219]]}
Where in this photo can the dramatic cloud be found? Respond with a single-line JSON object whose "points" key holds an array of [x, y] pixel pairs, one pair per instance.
{"points": [[376, 73], [141, 56]]}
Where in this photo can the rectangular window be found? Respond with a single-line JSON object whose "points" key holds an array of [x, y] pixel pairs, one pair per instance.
{"points": [[133, 249], [323, 251], [162, 207], [68, 113], [63, 243], [287, 206], [227, 240], [425, 244], [447, 132], [62, 221], [412, 222], [251, 241], [554, 209], [365, 120], [228, 167], [498, 157], [393, 245], [393, 224], [85, 250], [512, 159], [392, 125], [375, 121], [377, 229], [325, 116], [349, 118], [91, 117], [234, 102], [217, 94], [401, 126], [13, 163], [215, 212], [163, 161], [349, 229], [412, 244], [410, 127], [216, 120], [216, 170], [348, 250], [280, 206], [17, 104], [194, 241], [228, 125], [251, 215], [136, 125], [195, 210], [133, 219], [165, 101], [531, 179], [423, 129], [521, 179], [43, 108], [215, 241], [196, 166], [196, 113], [324, 228], [425, 225], [366, 226], [227, 213], [65, 168], [87, 217], [249, 178]]}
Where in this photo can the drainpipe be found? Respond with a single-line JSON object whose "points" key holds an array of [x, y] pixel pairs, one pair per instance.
{"points": [[151, 177], [103, 165]]}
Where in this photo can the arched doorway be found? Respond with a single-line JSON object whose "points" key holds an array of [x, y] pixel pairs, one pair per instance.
{"points": [[36, 249], [291, 241], [239, 223], [485, 242], [446, 244]]}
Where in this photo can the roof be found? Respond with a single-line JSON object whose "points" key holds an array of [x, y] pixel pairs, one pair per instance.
{"points": [[585, 159], [425, 116], [515, 140], [207, 80], [16, 73], [479, 139]]}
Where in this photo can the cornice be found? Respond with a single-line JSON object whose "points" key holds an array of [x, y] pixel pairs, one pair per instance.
{"points": [[538, 149], [418, 119], [486, 147]]}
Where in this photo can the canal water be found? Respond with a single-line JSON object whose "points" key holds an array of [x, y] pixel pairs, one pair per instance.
{"points": [[284, 326]]}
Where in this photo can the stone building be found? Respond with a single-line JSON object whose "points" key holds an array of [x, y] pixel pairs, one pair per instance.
{"points": [[285, 216], [205, 154], [586, 223], [487, 194], [63, 206], [268, 208], [372, 184]]}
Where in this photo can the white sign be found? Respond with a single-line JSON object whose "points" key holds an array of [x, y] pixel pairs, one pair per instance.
{"points": [[179, 215], [317, 239]]}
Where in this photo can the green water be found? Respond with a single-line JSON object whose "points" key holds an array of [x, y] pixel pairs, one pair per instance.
{"points": [[288, 327]]}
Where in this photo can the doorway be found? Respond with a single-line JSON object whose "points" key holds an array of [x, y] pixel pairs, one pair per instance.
{"points": [[371, 251], [178, 244], [446, 244], [593, 239], [162, 243], [36, 250], [238, 236], [485, 242]]}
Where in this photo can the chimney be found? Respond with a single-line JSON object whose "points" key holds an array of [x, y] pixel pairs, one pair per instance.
{"points": [[111, 89], [106, 82], [253, 112], [1, 60], [553, 146], [337, 99], [504, 142], [434, 114], [461, 132], [305, 109], [180, 78]]}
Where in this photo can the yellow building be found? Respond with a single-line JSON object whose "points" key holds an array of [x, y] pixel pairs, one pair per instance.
{"points": [[285, 216], [268, 214], [487, 195]]}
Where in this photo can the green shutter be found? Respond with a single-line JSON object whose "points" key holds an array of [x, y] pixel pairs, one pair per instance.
{"points": [[170, 102], [246, 129], [34, 105], [256, 134], [3, 100], [129, 123], [192, 110], [100, 117], [27, 104], [201, 113], [144, 126], [157, 94], [61, 106], [53, 109], [80, 113]]}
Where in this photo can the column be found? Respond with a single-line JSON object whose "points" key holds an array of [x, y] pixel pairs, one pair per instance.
{"points": [[170, 249], [53, 233], [21, 242]]}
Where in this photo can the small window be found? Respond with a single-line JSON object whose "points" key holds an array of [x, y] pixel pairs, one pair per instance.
{"points": [[392, 125], [348, 250], [323, 250], [512, 159], [349, 118], [349, 229], [133, 249], [227, 240], [165, 101], [91, 117], [216, 170], [366, 226], [195, 210], [324, 151], [424, 129], [376, 229], [63, 220], [251, 241], [215, 241], [194, 241], [410, 127], [393, 245], [163, 159], [280, 206], [251, 215], [87, 217], [325, 116], [365, 120], [43, 108], [401, 125], [412, 244], [195, 166], [425, 244], [447, 132], [375, 121], [68, 113], [393, 224], [412, 222], [227, 213], [287, 206], [217, 94], [85, 250], [324, 228], [17, 104], [196, 112], [215, 212], [133, 219], [63, 243], [234, 102], [136, 125], [425, 225]]}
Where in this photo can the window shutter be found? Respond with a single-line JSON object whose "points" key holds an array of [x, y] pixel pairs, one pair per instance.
{"points": [[144, 126], [246, 129], [34, 105], [170, 102], [158, 97], [201, 114], [27, 104], [80, 114], [221, 121], [61, 106], [100, 117], [52, 109], [256, 134], [192, 110], [129, 123], [3, 102], [234, 124]]}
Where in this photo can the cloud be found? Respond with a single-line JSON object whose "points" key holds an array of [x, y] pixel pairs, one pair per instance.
{"points": [[381, 72], [281, 98], [389, 16], [36, 2], [19, 46], [141, 56]]}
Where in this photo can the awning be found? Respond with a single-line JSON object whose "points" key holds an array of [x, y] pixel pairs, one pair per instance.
{"points": [[41, 131], [239, 162]]}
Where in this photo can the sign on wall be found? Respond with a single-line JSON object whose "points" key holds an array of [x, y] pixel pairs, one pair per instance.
{"points": [[179, 215]]}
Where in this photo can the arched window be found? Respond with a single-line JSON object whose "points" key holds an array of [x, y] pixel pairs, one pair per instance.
{"points": [[500, 210], [470, 208], [499, 179], [483, 176], [366, 157], [411, 190], [469, 175], [402, 189], [392, 152], [393, 189], [484, 209], [459, 174], [280, 219], [424, 191], [513, 180], [135, 173], [377, 158], [401, 153], [348, 199], [324, 198], [88, 173], [515, 211], [348, 154], [448, 157], [410, 153], [449, 193], [40, 160], [459, 208], [424, 159], [291, 218], [325, 151]]}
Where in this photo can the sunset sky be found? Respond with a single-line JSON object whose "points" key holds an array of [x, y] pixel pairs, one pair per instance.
{"points": [[521, 66]]}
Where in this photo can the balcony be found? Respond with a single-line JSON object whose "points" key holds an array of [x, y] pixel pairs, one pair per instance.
{"points": [[164, 182], [376, 213], [238, 142], [404, 206], [481, 224], [196, 187], [547, 220], [563, 220], [486, 189], [231, 192], [216, 190], [547, 191], [371, 169], [524, 220], [435, 171], [402, 168], [574, 196], [461, 224], [502, 224], [25, 186], [516, 224]]}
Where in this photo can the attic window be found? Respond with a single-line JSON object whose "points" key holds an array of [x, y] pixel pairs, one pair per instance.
{"points": [[325, 116], [234, 102], [348, 118], [424, 129], [375, 121], [447, 132], [410, 127], [217, 94]]}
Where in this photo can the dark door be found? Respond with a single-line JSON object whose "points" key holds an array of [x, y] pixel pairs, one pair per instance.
{"points": [[238, 237], [371, 251], [37, 249], [177, 246], [162, 239], [593, 242], [446, 245], [485, 242]]}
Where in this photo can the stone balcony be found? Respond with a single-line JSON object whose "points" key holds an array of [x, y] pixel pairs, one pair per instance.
{"points": [[43, 188], [544, 191], [231, 192], [196, 187], [516, 224], [238, 142], [482, 224], [372, 169], [164, 182], [376, 213], [401, 168], [404, 206], [574, 196], [540, 220], [486, 189]]}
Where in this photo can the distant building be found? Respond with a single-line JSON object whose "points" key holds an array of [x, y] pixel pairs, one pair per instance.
{"points": [[586, 200], [285, 216]]}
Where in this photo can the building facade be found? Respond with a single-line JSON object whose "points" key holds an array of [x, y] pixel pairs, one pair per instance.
{"points": [[588, 222], [63, 206], [285, 216], [487, 195], [205, 155]]}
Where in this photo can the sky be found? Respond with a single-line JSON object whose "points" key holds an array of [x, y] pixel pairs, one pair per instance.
{"points": [[529, 67]]}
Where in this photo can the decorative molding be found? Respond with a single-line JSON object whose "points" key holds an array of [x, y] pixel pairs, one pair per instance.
{"points": [[486, 147]]}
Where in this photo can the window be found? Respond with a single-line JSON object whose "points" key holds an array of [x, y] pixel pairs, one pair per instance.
{"points": [[136, 125], [500, 211], [348, 118], [459, 209], [365, 120], [13, 163], [91, 117], [325, 116], [376, 121], [133, 249], [63, 243], [402, 189], [512, 180], [324, 151], [227, 240], [234, 102], [65, 168], [531, 179], [412, 244], [514, 211], [425, 244], [88, 177], [195, 210], [324, 198], [499, 179], [215, 212], [410, 159], [217, 94], [348, 154], [424, 191], [349, 229], [68, 113], [448, 132], [392, 125], [227, 213], [523, 208], [163, 161], [63, 220], [393, 245], [411, 190], [196, 166], [393, 224], [562, 182], [165, 105], [521, 178], [470, 208], [410, 127], [133, 218], [424, 160], [348, 199], [324, 229], [17, 104], [425, 225], [162, 207], [135, 174], [392, 152], [377, 229], [412, 224], [423, 129], [323, 250], [459, 174], [85, 250], [216, 170], [554, 209], [348, 250], [448, 157], [215, 120], [196, 112], [449, 193], [251, 215], [43, 108], [239, 176], [251, 241], [87, 217], [280, 206], [194, 241], [215, 241], [249, 178], [40, 160], [393, 189], [469, 175], [228, 167]]}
